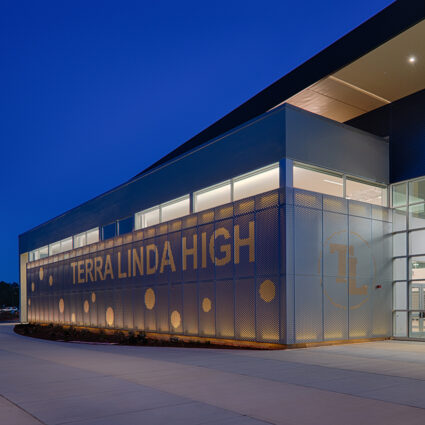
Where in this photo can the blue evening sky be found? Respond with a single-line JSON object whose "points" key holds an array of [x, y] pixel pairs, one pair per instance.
{"points": [[92, 92]]}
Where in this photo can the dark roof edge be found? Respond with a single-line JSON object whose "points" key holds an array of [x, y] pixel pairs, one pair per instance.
{"points": [[386, 24]]}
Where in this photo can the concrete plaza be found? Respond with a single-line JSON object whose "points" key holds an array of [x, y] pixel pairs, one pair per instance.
{"points": [[43, 382]]}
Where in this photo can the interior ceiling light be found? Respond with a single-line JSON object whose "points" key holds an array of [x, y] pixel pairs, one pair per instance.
{"points": [[412, 59], [330, 181]]}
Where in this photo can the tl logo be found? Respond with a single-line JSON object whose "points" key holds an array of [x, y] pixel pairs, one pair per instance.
{"points": [[359, 276], [341, 251]]}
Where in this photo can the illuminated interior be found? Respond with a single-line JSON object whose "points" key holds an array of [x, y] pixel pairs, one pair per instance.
{"points": [[330, 183]]}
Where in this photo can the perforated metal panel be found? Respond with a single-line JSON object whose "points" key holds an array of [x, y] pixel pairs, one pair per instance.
{"points": [[101, 308], [267, 238], [335, 276], [242, 265], [307, 240], [166, 301], [79, 310], [175, 316], [190, 308], [151, 303], [359, 209], [286, 266], [207, 307], [118, 306], [342, 266], [93, 305], [245, 309], [267, 308], [304, 198], [334, 204], [225, 309], [308, 308], [139, 306], [128, 307]]}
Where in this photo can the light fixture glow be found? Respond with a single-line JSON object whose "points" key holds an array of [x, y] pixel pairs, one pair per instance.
{"points": [[330, 181], [412, 59]]}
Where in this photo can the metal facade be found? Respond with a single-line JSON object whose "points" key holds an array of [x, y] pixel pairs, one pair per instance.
{"points": [[339, 268], [266, 268], [278, 134]]}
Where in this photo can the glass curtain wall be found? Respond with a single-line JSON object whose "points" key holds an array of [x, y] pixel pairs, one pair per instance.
{"points": [[408, 201]]}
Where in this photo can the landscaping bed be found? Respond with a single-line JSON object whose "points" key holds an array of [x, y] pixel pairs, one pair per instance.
{"points": [[107, 336]]}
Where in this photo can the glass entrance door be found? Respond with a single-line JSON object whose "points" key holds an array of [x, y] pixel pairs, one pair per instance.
{"points": [[417, 310]]}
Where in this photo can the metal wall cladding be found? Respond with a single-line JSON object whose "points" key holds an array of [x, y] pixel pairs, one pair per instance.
{"points": [[225, 309], [213, 274], [287, 266], [338, 254], [190, 309], [335, 276]]}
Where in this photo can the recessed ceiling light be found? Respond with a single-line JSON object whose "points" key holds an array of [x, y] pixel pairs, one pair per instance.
{"points": [[412, 59]]}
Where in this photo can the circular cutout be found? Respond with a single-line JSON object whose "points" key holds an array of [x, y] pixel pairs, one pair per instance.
{"points": [[267, 291], [50, 280], [86, 306], [73, 317], [206, 305], [29, 302], [32, 287], [149, 299], [41, 273], [93, 297], [61, 306], [110, 316], [175, 319]]}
